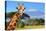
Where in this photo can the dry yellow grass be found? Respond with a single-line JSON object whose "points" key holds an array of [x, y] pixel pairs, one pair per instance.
{"points": [[32, 27]]}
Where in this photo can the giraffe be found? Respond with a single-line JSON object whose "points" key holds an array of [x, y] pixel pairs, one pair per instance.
{"points": [[13, 22]]}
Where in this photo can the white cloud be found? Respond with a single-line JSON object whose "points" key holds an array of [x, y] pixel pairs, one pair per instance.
{"points": [[32, 10], [42, 16]]}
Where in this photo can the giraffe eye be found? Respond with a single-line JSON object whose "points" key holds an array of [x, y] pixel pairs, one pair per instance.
{"points": [[23, 9]]}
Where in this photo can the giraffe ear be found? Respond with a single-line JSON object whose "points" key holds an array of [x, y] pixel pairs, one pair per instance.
{"points": [[24, 8], [16, 7]]}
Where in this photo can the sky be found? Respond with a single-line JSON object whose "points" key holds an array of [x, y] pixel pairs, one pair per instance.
{"points": [[33, 9]]}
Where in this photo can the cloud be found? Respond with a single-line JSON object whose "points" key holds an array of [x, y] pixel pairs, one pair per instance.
{"points": [[32, 10], [42, 16]]}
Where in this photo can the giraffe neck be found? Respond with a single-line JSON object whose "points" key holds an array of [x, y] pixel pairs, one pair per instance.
{"points": [[13, 22]]}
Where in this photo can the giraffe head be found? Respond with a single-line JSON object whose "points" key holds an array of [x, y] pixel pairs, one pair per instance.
{"points": [[21, 9]]}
